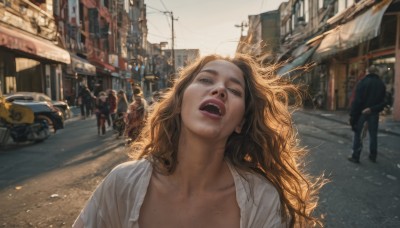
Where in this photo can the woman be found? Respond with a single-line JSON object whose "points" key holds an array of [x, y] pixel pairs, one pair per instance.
{"points": [[135, 118], [219, 150]]}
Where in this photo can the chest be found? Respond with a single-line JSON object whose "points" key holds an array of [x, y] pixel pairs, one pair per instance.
{"points": [[213, 209]]}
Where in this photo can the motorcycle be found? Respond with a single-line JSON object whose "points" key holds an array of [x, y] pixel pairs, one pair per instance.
{"points": [[27, 121]]}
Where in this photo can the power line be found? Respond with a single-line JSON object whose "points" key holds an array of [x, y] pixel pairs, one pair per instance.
{"points": [[164, 5], [160, 11]]}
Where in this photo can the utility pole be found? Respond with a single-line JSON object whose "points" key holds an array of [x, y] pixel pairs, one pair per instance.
{"points": [[241, 26], [172, 38], [173, 43]]}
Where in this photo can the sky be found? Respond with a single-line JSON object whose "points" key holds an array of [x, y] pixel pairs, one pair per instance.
{"points": [[208, 25]]}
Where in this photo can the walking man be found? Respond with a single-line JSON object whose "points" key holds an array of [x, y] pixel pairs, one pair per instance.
{"points": [[369, 100], [85, 101]]}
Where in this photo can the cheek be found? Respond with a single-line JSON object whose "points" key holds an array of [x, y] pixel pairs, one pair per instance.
{"points": [[240, 109], [186, 100]]}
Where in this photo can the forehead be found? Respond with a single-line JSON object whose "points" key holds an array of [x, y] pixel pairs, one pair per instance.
{"points": [[223, 67]]}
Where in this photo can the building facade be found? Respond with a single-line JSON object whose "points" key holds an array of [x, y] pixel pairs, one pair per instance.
{"points": [[263, 39], [58, 46], [31, 53], [336, 41]]}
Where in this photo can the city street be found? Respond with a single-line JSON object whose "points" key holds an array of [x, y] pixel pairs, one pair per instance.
{"points": [[358, 195], [47, 184]]}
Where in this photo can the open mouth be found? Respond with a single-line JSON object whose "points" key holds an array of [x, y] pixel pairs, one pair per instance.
{"points": [[211, 108]]}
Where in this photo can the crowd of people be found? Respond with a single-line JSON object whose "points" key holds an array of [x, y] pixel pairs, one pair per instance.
{"points": [[114, 111]]}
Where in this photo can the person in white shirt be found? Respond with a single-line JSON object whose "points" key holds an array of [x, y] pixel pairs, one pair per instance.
{"points": [[219, 150]]}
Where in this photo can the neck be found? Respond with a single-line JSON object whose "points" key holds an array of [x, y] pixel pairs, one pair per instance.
{"points": [[201, 165]]}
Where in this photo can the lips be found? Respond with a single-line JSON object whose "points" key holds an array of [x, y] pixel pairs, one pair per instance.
{"points": [[213, 107]]}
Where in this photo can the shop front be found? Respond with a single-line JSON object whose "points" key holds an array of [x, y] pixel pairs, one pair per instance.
{"points": [[29, 63], [79, 73], [348, 49], [103, 80]]}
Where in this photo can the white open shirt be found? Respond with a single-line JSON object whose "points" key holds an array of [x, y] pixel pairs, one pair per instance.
{"points": [[116, 202]]}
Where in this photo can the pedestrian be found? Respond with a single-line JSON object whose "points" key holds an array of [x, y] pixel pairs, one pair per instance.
{"points": [[85, 102], [219, 150], [102, 112], [368, 101], [112, 100], [122, 108], [135, 118]]}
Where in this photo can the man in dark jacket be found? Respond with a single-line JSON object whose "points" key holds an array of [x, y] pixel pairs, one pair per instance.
{"points": [[85, 102], [369, 100]]}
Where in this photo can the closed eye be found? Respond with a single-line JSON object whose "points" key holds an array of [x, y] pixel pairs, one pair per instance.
{"points": [[235, 92], [205, 80]]}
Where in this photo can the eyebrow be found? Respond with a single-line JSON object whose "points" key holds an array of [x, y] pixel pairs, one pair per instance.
{"points": [[232, 79]]}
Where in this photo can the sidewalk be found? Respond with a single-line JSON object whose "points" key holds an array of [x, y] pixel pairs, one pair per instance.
{"points": [[386, 123]]}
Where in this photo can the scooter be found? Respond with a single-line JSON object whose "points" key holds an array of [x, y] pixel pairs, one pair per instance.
{"points": [[26, 121]]}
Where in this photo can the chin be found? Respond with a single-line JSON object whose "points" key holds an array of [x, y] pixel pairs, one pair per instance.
{"points": [[211, 133]]}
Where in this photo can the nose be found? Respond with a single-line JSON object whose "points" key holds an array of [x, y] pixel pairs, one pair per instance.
{"points": [[220, 92]]}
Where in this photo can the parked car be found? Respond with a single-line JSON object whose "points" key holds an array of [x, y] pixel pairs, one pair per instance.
{"points": [[62, 106]]}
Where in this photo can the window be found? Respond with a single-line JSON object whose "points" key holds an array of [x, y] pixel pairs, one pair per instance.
{"points": [[300, 8]]}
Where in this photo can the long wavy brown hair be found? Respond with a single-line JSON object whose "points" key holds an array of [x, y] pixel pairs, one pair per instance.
{"points": [[267, 145]]}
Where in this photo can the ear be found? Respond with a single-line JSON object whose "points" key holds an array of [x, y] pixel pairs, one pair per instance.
{"points": [[238, 129]]}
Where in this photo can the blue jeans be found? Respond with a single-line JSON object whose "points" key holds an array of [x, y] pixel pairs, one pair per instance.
{"points": [[372, 120]]}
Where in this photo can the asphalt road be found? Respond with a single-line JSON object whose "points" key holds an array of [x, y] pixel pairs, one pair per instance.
{"points": [[358, 195], [47, 184]]}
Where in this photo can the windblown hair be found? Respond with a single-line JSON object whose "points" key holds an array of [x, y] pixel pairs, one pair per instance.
{"points": [[267, 144]]}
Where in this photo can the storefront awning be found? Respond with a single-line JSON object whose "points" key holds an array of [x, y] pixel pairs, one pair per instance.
{"points": [[103, 66], [82, 66], [15, 40], [300, 61], [362, 28]]}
